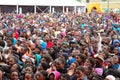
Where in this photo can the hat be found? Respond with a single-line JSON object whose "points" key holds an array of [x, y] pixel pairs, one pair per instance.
{"points": [[115, 41], [110, 77], [67, 43], [65, 55], [99, 57], [73, 40], [99, 71], [56, 73]]}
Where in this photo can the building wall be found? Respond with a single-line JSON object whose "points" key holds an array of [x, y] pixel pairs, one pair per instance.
{"points": [[104, 4]]}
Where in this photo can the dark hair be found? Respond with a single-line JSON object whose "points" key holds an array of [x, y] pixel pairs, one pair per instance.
{"points": [[31, 73], [66, 76], [81, 68], [44, 65], [92, 61], [15, 59], [83, 57], [61, 60], [2, 43], [15, 71], [98, 77], [43, 72], [48, 59]]}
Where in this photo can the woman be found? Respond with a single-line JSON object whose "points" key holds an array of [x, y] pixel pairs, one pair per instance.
{"points": [[41, 75], [71, 69], [14, 75], [80, 58], [29, 76], [79, 74], [60, 65], [90, 62], [116, 61]]}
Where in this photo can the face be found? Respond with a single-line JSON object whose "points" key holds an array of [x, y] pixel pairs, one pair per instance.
{"points": [[28, 69], [28, 76], [86, 50], [11, 61], [115, 59], [14, 67], [28, 62], [87, 63], [9, 43], [51, 50], [40, 77], [73, 66], [43, 60], [78, 59], [52, 77], [59, 65], [14, 76], [79, 74], [116, 51]]}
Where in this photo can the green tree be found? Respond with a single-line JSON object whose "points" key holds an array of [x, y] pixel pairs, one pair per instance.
{"points": [[104, 0], [78, 0]]}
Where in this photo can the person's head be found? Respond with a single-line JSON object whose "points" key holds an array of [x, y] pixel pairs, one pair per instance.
{"points": [[51, 76], [32, 46], [64, 56], [29, 76], [9, 42], [15, 67], [41, 75], [14, 75], [59, 63], [74, 65], [55, 75], [28, 62], [12, 60], [110, 77], [116, 59], [90, 62], [86, 52], [80, 58], [88, 70], [24, 49], [99, 60], [97, 77], [43, 66], [29, 68], [80, 72], [75, 52], [46, 58], [38, 49], [64, 77], [116, 51]]}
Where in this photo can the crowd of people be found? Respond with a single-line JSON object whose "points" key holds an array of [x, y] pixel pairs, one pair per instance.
{"points": [[59, 46]]}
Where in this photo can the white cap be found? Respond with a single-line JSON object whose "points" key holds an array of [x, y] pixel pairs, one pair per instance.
{"points": [[110, 77]]}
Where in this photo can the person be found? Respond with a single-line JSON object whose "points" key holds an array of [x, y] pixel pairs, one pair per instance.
{"points": [[14, 75], [60, 65], [29, 76], [64, 77], [48, 43], [42, 75], [71, 69], [79, 74]]}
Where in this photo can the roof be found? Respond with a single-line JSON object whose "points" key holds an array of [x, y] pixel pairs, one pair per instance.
{"points": [[42, 2]]}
